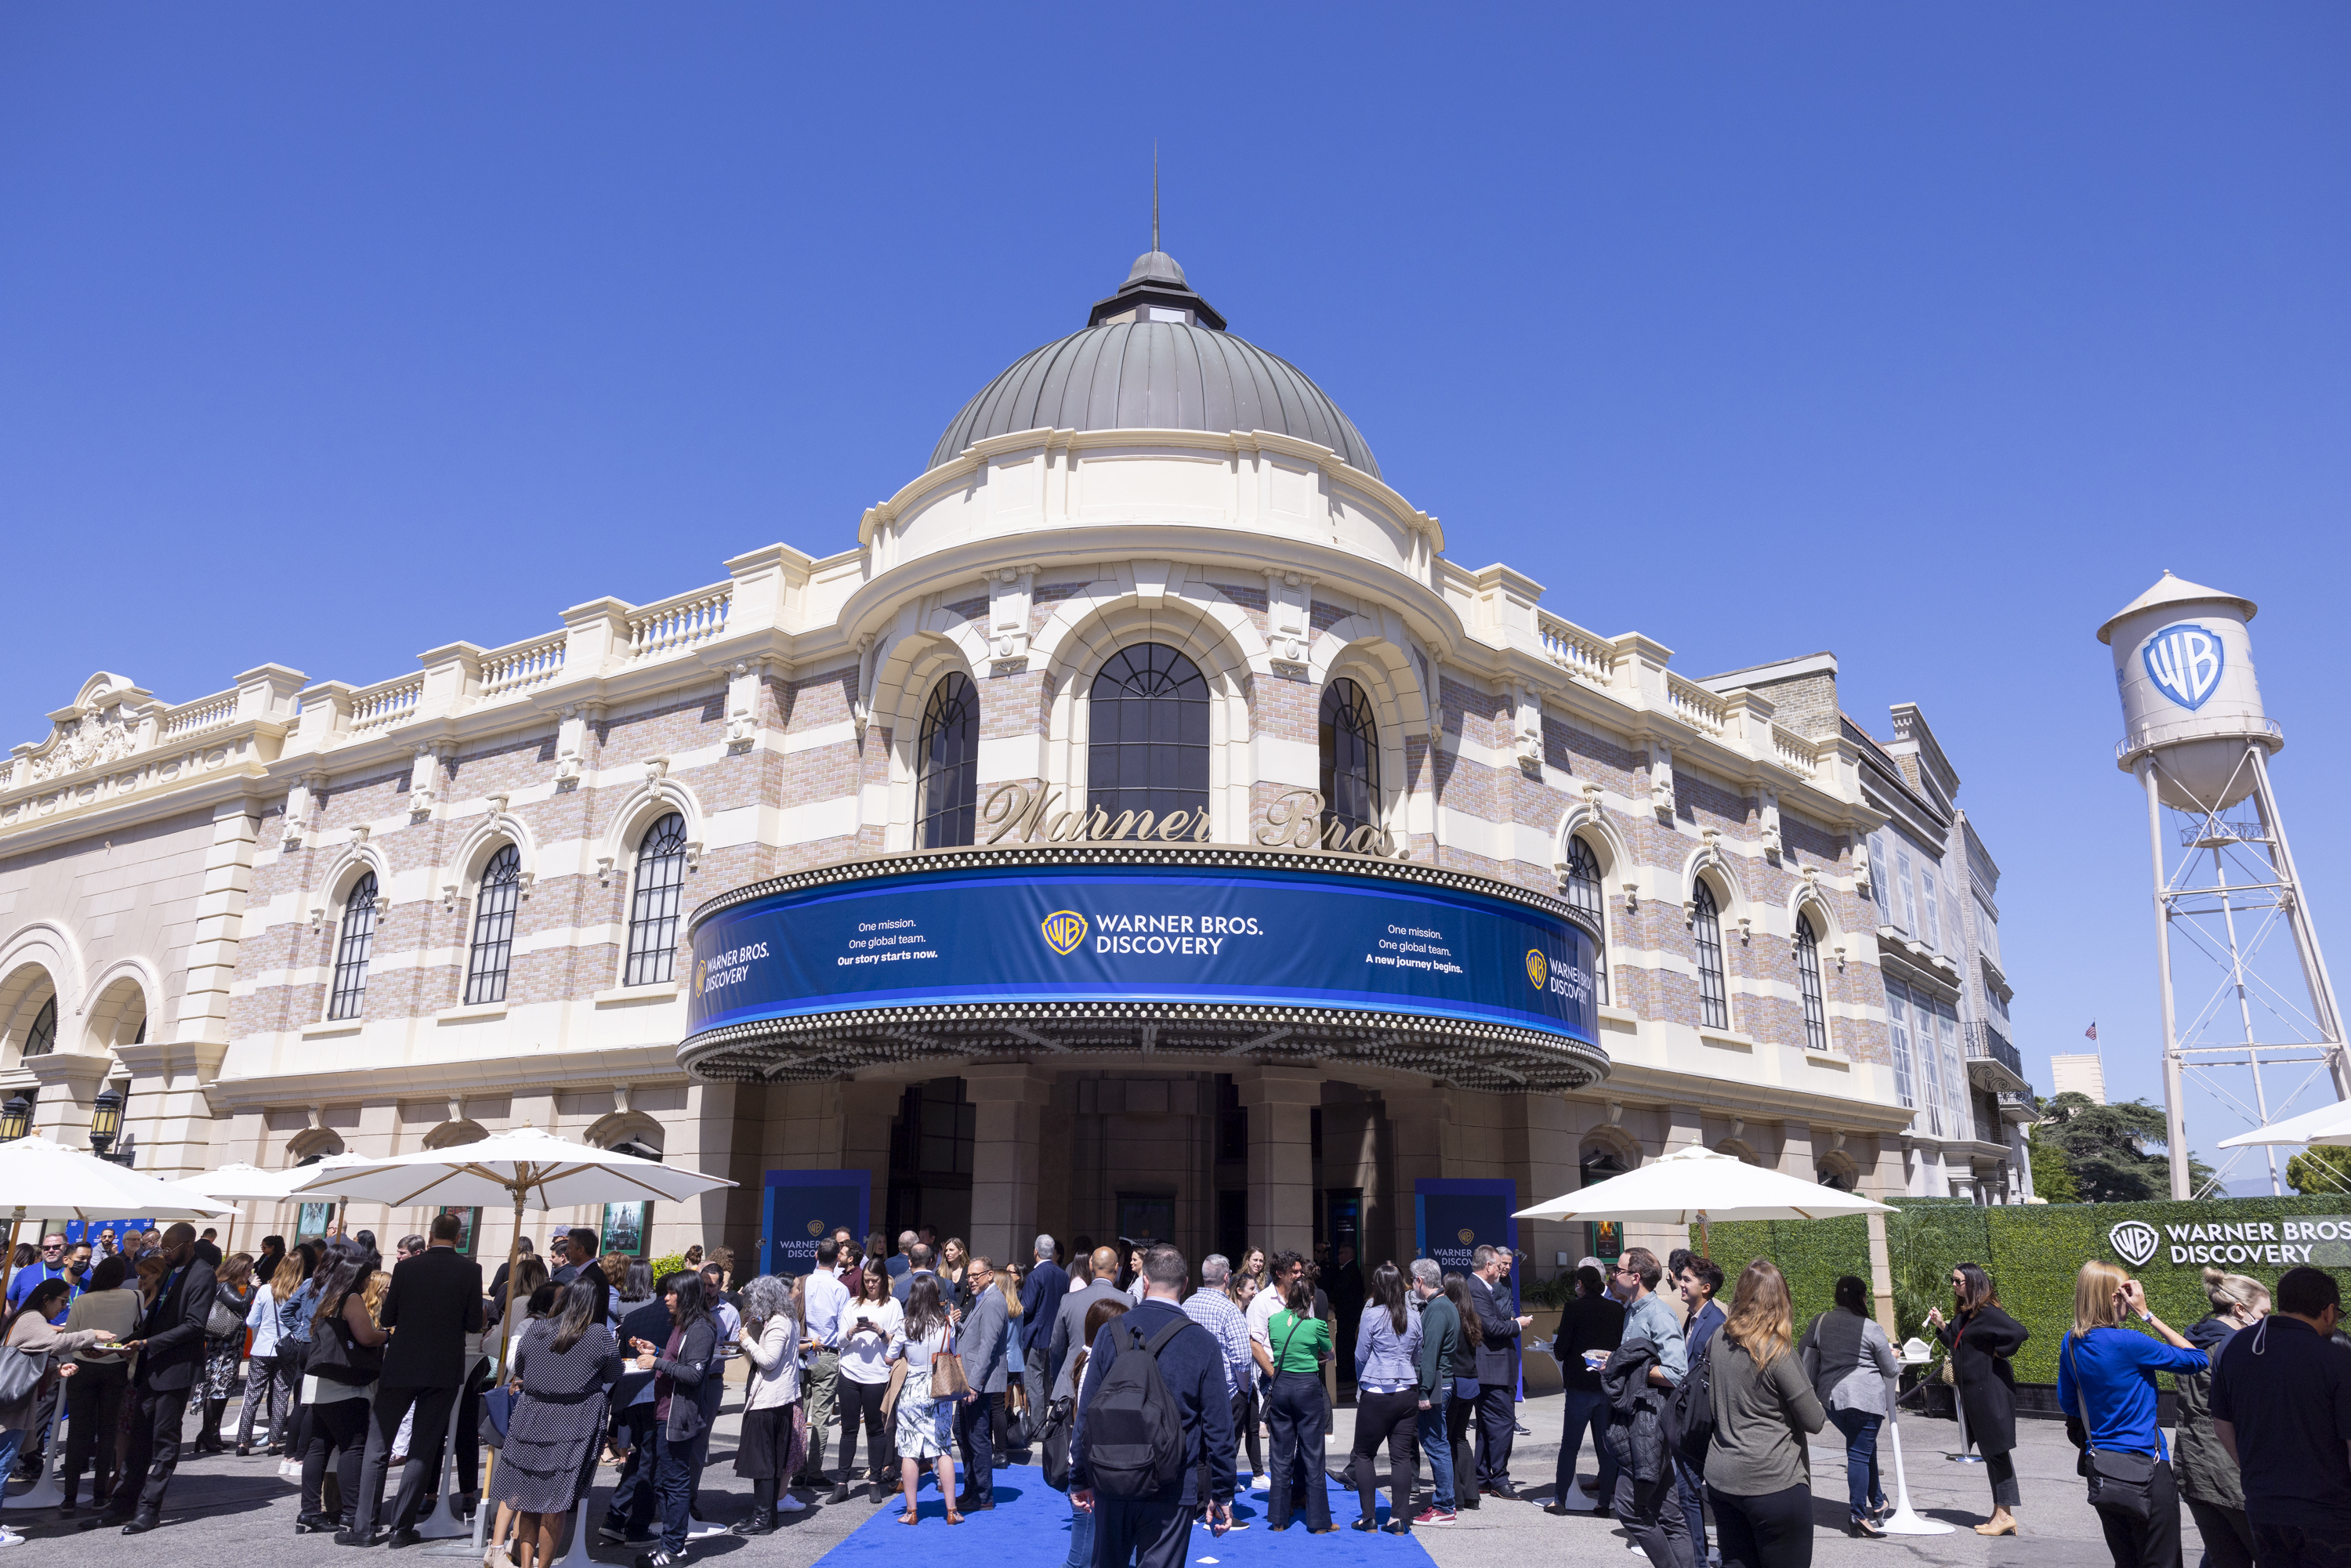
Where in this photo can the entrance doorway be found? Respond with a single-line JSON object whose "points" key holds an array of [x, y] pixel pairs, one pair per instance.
{"points": [[931, 1141]]}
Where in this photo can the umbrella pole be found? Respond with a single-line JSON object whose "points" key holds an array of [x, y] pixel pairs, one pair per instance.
{"points": [[506, 1324], [1705, 1236]]}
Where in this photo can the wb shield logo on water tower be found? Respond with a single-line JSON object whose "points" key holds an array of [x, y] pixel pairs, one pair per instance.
{"points": [[2185, 663]]}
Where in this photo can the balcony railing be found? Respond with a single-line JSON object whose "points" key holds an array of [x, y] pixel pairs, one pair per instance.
{"points": [[1986, 1043], [2019, 1107]]}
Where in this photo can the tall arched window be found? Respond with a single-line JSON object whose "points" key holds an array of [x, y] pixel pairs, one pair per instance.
{"points": [[1808, 976], [1147, 745], [42, 1038], [494, 923], [947, 790], [1713, 993], [1351, 757], [1583, 897], [653, 909], [352, 946]]}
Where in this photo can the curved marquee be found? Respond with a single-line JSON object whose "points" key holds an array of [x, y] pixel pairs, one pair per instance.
{"points": [[1228, 951]]}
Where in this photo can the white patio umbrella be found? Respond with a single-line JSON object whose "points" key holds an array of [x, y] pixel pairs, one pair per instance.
{"points": [[253, 1184], [2329, 1124], [50, 1180], [1697, 1185], [528, 1169]]}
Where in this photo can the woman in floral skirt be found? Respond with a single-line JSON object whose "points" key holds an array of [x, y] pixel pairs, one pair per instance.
{"points": [[925, 1425]]}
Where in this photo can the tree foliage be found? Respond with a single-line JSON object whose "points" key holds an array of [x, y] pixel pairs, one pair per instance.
{"points": [[2107, 1149], [2320, 1172], [2053, 1173]]}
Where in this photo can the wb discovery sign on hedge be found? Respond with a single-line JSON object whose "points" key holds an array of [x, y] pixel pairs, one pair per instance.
{"points": [[2323, 1243]]}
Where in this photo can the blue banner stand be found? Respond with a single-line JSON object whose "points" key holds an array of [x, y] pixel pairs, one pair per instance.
{"points": [[800, 1209], [1452, 1217]]}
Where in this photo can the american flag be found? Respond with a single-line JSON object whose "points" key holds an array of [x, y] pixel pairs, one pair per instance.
{"points": [[2091, 1032]]}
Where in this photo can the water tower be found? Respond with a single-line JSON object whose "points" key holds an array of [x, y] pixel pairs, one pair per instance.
{"points": [[2196, 736]]}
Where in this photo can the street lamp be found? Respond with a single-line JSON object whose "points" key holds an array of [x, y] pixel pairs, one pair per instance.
{"points": [[16, 1118], [105, 1122]]}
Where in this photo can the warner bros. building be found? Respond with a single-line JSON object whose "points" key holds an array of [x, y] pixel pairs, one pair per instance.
{"points": [[1141, 826]]}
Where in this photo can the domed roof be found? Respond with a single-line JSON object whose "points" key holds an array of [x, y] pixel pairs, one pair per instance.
{"points": [[1155, 355]]}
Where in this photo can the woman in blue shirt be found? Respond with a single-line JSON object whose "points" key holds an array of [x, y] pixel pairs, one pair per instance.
{"points": [[2106, 1382]]}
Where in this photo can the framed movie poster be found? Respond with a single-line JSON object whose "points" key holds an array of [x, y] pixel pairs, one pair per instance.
{"points": [[313, 1219], [467, 1220], [626, 1225], [1604, 1236]]}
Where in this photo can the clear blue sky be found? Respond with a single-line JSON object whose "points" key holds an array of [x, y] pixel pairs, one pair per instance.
{"points": [[328, 335]]}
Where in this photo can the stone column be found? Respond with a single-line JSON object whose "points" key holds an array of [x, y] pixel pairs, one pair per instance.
{"points": [[1281, 1102], [1009, 1127], [1416, 1139]]}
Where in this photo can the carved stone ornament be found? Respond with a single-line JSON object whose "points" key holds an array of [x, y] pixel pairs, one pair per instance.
{"points": [[98, 737]]}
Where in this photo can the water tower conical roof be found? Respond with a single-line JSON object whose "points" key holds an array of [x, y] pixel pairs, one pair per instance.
{"points": [[2171, 589]]}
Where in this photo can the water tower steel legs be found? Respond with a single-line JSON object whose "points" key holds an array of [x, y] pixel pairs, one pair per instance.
{"points": [[2282, 889], [2305, 933], [2175, 1099]]}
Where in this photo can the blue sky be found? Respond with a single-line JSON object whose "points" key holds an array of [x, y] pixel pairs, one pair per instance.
{"points": [[1930, 336]]}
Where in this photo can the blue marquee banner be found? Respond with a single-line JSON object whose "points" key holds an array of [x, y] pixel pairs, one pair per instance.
{"points": [[1144, 933]]}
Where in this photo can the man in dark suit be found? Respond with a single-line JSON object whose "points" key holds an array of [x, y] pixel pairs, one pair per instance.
{"points": [[1498, 1371], [170, 1344], [585, 1264], [435, 1301], [1040, 1304]]}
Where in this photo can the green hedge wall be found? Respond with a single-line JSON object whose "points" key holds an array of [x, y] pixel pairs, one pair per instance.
{"points": [[2032, 1251]]}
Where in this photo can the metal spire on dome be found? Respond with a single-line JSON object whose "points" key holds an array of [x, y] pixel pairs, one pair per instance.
{"points": [[1155, 194]]}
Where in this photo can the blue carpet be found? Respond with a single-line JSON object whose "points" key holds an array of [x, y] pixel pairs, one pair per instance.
{"points": [[1030, 1526]]}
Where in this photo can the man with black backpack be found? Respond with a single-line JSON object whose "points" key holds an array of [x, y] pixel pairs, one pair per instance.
{"points": [[1153, 1444]]}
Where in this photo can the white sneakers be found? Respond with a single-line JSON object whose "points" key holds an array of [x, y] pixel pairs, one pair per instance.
{"points": [[787, 1503], [9, 1537], [1261, 1483]]}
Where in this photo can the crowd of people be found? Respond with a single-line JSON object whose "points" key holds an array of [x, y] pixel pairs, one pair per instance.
{"points": [[1154, 1394]]}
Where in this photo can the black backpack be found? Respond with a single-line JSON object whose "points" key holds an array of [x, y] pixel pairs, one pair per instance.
{"points": [[1687, 1418], [1134, 1433]]}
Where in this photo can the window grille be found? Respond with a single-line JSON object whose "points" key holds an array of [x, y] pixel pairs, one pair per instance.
{"points": [[1897, 1027], [42, 1038], [947, 791], [352, 946], [656, 903], [1713, 992], [1147, 743], [1583, 897], [1808, 976], [493, 924], [1351, 755]]}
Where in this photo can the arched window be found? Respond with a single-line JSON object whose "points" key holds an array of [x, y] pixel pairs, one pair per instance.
{"points": [[43, 1037], [1147, 748], [1808, 976], [947, 791], [1713, 993], [1583, 897], [654, 910], [1351, 757], [494, 923], [352, 946]]}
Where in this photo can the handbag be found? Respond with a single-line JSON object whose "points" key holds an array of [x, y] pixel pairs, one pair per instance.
{"points": [[890, 1394], [222, 1320], [497, 1409], [2120, 1481], [948, 1380], [1053, 1443]]}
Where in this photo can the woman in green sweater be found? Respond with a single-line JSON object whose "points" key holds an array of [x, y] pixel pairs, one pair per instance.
{"points": [[1759, 1473], [1297, 1412]]}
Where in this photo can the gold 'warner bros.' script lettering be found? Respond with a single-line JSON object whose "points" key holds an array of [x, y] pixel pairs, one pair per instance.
{"points": [[1017, 814]]}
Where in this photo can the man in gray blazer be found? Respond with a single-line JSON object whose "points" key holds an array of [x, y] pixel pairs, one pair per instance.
{"points": [[1069, 1321], [986, 1344]]}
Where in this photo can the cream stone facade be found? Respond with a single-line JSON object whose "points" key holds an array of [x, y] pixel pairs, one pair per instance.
{"points": [[185, 884]]}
